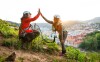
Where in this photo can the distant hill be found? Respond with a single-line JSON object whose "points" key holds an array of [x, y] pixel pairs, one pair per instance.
{"points": [[71, 23], [14, 23], [94, 20], [44, 26], [48, 27]]}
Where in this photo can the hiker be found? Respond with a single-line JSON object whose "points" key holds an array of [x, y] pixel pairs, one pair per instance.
{"points": [[25, 33], [57, 26]]}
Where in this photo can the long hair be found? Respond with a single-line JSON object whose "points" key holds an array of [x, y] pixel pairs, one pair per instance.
{"points": [[57, 21]]}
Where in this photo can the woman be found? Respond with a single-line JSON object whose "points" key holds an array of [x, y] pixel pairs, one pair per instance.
{"points": [[57, 26], [25, 33]]}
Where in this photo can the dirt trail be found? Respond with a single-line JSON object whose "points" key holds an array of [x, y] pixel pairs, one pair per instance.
{"points": [[21, 55], [28, 56]]}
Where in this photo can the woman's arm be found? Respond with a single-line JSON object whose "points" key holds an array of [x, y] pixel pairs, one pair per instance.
{"points": [[51, 22]]}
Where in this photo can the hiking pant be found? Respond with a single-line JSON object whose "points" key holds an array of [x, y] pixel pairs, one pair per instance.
{"points": [[28, 37], [62, 38]]}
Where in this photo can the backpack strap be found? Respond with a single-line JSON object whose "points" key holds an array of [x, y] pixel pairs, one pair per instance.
{"points": [[23, 31]]}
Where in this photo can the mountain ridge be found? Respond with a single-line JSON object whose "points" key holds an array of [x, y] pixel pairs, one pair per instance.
{"points": [[94, 20]]}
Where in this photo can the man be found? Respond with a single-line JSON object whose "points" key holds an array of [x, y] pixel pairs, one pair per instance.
{"points": [[25, 33]]}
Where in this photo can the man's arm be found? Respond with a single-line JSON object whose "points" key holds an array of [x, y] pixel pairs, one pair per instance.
{"points": [[34, 18], [51, 22]]}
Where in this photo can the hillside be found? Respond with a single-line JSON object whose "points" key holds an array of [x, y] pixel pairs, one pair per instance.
{"points": [[14, 23], [39, 50], [29, 56], [9, 43], [7, 29]]}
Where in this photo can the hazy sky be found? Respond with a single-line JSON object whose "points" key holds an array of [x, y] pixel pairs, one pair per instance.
{"points": [[12, 10]]}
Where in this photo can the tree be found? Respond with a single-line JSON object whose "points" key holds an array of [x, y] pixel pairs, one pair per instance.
{"points": [[98, 40]]}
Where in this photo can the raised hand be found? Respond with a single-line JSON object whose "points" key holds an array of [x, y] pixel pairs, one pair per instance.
{"points": [[49, 21], [39, 10]]}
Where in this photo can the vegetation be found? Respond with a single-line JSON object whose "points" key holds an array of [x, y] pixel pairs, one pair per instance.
{"points": [[91, 41], [74, 54], [1, 59], [7, 29]]}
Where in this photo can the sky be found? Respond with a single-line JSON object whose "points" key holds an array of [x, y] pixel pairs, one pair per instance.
{"points": [[80, 10]]}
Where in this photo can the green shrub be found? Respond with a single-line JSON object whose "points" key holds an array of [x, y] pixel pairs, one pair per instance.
{"points": [[8, 42], [37, 44], [93, 56], [72, 53], [52, 48], [12, 42], [18, 45], [82, 57], [98, 36], [1, 59]]}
